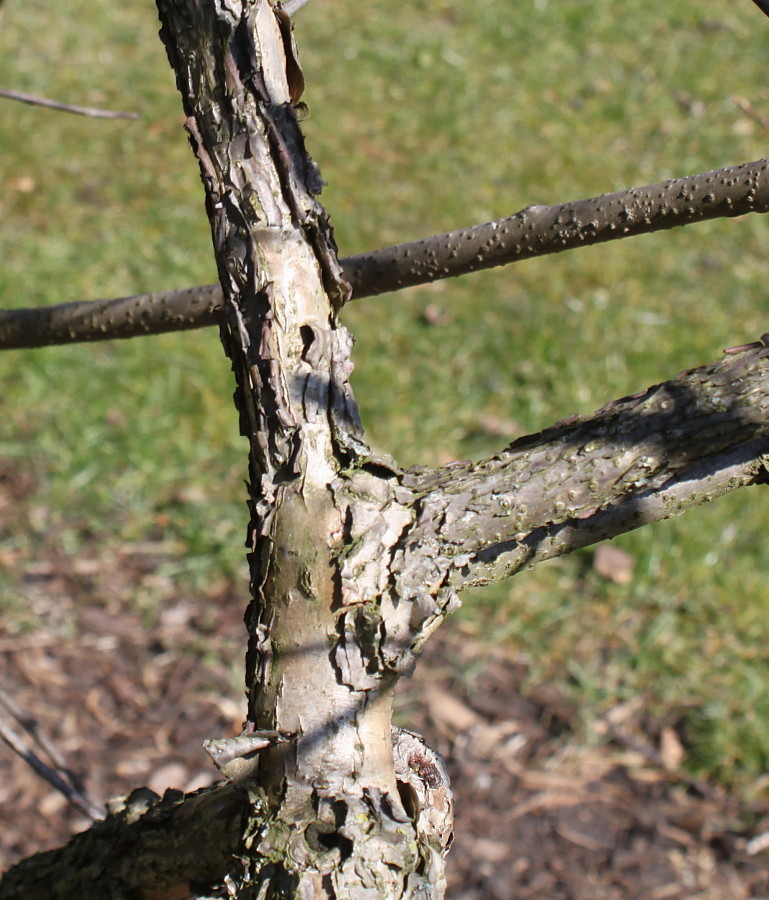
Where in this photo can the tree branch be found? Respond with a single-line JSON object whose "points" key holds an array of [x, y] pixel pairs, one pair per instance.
{"points": [[59, 778], [638, 460], [102, 320], [291, 7], [534, 231], [146, 850], [541, 230], [90, 111]]}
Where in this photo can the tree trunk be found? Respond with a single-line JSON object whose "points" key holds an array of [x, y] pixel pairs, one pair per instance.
{"points": [[353, 562], [327, 819]]}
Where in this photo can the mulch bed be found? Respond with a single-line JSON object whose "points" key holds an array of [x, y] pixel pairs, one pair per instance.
{"points": [[540, 814]]}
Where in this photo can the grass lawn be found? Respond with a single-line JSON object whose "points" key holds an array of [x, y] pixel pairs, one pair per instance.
{"points": [[424, 117]]}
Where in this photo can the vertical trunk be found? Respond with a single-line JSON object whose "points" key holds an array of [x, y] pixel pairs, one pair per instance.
{"points": [[328, 818]]}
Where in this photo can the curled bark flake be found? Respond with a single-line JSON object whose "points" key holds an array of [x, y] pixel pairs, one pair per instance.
{"points": [[383, 626], [323, 388], [316, 372], [418, 601], [425, 785], [294, 73], [376, 520], [237, 758], [346, 425], [357, 651]]}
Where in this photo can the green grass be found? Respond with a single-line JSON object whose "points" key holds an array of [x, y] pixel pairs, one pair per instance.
{"points": [[424, 117]]}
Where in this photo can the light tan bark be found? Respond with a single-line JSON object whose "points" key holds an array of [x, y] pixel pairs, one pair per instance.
{"points": [[327, 816]]}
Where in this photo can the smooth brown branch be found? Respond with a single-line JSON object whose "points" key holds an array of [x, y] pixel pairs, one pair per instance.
{"points": [[102, 320], [638, 460], [534, 231], [90, 111], [541, 230]]}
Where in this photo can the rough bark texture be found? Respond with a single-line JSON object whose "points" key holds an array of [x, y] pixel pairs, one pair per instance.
{"points": [[413, 539], [638, 460], [147, 849], [534, 231], [327, 818], [354, 563]]}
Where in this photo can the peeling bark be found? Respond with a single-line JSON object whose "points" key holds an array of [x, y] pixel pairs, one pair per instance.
{"points": [[354, 562], [326, 818], [534, 231], [638, 460], [409, 542]]}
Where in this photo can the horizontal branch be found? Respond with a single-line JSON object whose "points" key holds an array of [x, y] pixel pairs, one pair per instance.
{"points": [[534, 231], [638, 460], [541, 230], [103, 320]]}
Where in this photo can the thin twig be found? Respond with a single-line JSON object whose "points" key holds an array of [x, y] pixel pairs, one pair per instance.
{"points": [[751, 112], [66, 107], [18, 744], [31, 727]]}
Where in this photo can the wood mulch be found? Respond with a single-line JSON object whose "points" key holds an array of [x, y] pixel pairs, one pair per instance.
{"points": [[129, 696]]}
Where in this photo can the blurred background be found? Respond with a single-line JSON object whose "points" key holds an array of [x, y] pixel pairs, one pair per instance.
{"points": [[121, 470]]}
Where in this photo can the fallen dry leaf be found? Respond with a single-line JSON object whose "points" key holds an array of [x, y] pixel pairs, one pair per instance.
{"points": [[615, 564], [671, 748], [451, 715]]}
